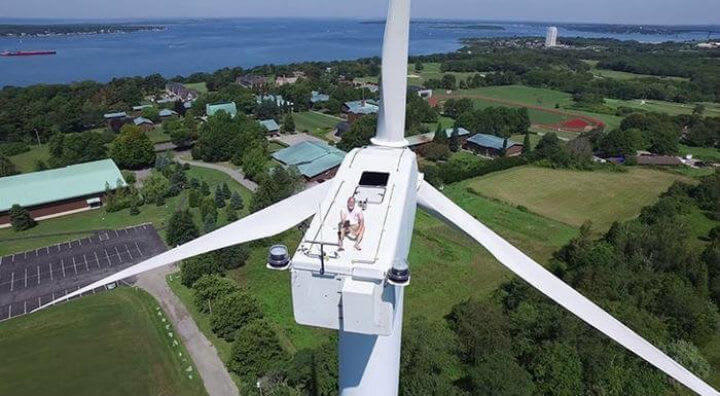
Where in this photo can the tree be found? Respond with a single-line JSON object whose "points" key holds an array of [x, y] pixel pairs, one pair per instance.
{"points": [[359, 134], [275, 186], [7, 168], [288, 125], [132, 149], [151, 113], [254, 162], [699, 109], [427, 358], [210, 223], [435, 151], [449, 81], [233, 311], [454, 107], [527, 144], [219, 197], [440, 136], [181, 228], [236, 201], [180, 134], [204, 188], [454, 142], [222, 137], [256, 351], [209, 288], [155, 188], [499, 374], [20, 218], [230, 214], [208, 208], [419, 66], [194, 268], [226, 190], [194, 198], [74, 148], [134, 208]]}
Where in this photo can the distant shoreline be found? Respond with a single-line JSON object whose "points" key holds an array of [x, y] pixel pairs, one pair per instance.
{"points": [[52, 30]]}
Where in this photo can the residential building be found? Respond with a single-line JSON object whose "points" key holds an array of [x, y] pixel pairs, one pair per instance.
{"points": [[180, 92], [416, 141], [282, 80], [229, 107], [493, 146], [272, 127], [277, 99], [317, 97], [252, 81], [56, 192], [144, 124], [167, 113], [115, 121], [658, 160], [359, 108], [110, 116], [316, 161]]}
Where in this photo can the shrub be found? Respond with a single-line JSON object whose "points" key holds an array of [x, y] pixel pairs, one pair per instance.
{"points": [[233, 311], [20, 218], [193, 269], [211, 287], [256, 351]]}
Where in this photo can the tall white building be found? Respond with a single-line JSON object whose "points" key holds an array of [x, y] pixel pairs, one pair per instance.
{"points": [[551, 39]]}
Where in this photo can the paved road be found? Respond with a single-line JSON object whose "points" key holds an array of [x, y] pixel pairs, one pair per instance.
{"points": [[212, 370], [235, 174], [30, 279]]}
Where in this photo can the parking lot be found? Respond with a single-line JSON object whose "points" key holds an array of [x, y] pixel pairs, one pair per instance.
{"points": [[30, 279]]}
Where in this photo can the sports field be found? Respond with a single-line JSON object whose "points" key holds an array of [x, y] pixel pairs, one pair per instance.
{"points": [[572, 197], [113, 343]]}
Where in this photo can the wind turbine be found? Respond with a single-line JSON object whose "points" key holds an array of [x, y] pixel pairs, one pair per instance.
{"points": [[360, 292]]}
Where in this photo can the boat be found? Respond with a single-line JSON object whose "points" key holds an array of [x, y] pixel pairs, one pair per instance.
{"points": [[26, 53]]}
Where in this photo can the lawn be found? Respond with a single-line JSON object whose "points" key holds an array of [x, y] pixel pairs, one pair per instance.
{"points": [[25, 162], [158, 135], [201, 87], [113, 343], [432, 71], [572, 197], [82, 224], [317, 124]]}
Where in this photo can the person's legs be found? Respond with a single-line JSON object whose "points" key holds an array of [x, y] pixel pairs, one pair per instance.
{"points": [[359, 233], [342, 231]]}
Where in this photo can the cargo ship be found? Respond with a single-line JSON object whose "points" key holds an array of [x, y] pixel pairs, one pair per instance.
{"points": [[26, 53]]}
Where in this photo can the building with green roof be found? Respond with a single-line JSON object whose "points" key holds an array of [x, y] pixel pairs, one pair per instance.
{"points": [[54, 192], [230, 108], [316, 161]]}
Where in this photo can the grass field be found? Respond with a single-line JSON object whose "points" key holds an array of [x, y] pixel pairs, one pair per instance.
{"points": [[572, 197], [113, 343], [25, 162], [201, 87], [158, 135], [317, 124], [99, 219], [671, 108], [431, 71]]}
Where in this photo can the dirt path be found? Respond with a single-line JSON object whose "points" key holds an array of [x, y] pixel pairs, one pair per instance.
{"points": [[211, 369]]}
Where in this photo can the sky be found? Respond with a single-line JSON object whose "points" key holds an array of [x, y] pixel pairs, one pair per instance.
{"points": [[602, 11]]}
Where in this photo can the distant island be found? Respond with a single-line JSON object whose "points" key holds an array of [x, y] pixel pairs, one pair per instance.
{"points": [[445, 25], [8, 30], [641, 29]]}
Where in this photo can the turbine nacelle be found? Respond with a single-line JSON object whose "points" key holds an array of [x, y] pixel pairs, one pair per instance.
{"points": [[350, 290]]}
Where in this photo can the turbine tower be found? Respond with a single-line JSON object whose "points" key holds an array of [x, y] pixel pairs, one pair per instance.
{"points": [[360, 292]]}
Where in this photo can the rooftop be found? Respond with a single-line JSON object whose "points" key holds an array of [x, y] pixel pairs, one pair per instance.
{"points": [[428, 137], [362, 107], [277, 99], [142, 120], [119, 114], [311, 158], [229, 108], [492, 141], [54, 185], [270, 125], [317, 97], [167, 113]]}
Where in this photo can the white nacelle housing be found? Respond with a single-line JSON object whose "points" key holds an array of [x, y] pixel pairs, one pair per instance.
{"points": [[348, 290]]}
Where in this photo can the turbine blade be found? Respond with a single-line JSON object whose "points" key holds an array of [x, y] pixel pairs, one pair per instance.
{"points": [[547, 283], [391, 119], [265, 223]]}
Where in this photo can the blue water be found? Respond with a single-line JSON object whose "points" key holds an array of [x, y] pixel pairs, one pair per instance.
{"points": [[188, 46]]}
